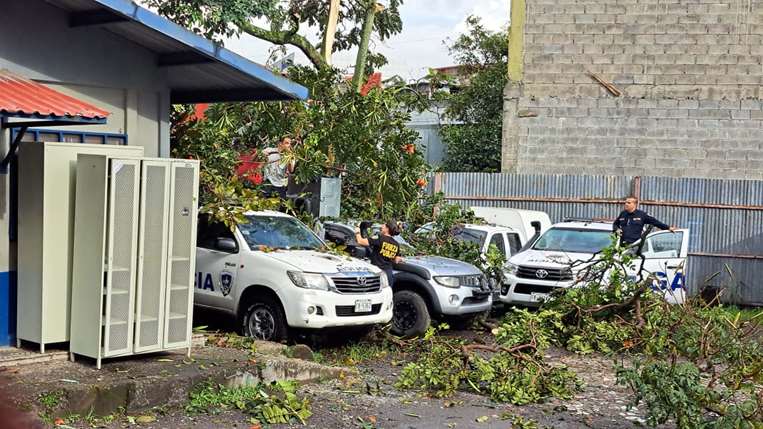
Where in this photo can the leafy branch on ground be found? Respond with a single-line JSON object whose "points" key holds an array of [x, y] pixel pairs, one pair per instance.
{"points": [[273, 403], [694, 364], [505, 371]]}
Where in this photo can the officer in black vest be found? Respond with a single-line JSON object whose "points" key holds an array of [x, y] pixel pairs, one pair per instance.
{"points": [[630, 223]]}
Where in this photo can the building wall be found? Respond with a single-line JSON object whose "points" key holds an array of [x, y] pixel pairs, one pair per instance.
{"points": [[691, 74], [93, 65], [430, 143], [90, 64]]}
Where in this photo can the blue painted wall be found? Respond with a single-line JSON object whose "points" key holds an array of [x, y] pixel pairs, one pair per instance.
{"points": [[7, 308]]}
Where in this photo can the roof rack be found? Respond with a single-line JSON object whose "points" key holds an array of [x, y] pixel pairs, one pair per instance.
{"points": [[588, 219]]}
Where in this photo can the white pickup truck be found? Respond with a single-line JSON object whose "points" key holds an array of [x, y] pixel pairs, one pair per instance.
{"points": [[272, 274], [548, 263]]}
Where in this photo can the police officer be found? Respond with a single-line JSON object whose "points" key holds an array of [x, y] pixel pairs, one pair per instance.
{"points": [[385, 251], [630, 223]]}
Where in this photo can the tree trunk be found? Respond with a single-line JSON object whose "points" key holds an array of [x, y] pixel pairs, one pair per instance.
{"points": [[365, 38], [328, 40]]}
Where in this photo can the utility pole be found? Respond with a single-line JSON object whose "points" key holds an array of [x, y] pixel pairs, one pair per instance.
{"points": [[368, 27], [328, 41]]}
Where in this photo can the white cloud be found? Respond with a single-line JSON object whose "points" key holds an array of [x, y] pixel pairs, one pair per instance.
{"points": [[426, 24]]}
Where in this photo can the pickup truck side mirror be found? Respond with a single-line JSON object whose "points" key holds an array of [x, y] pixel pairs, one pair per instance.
{"points": [[225, 244], [536, 226]]}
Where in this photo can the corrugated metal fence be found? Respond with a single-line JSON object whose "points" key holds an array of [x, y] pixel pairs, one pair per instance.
{"points": [[725, 216]]}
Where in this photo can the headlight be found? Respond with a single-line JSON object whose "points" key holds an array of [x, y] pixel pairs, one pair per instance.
{"points": [[510, 269], [309, 280], [448, 281], [383, 280]]}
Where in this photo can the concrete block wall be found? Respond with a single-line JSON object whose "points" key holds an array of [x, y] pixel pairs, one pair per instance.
{"points": [[691, 73]]}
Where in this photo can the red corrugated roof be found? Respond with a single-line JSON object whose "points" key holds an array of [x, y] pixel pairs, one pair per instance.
{"points": [[19, 95]]}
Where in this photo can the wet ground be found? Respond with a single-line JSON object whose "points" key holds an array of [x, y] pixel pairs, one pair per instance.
{"points": [[371, 401]]}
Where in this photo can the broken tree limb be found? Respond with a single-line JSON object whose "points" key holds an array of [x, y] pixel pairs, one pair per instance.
{"points": [[610, 87]]}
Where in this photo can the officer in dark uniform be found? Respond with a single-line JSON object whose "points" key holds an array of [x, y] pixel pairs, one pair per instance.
{"points": [[630, 223], [385, 250]]}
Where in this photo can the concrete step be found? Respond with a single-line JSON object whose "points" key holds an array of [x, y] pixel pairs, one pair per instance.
{"points": [[139, 383]]}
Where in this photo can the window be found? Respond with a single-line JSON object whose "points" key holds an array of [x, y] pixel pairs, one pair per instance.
{"points": [[515, 244], [45, 135], [209, 232], [573, 240], [278, 232], [337, 235], [665, 245], [471, 235], [497, 240]]}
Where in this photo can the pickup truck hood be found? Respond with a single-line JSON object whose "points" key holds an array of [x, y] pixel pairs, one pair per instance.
{"points": [[316, 262], [550, 259], [440, 266]]}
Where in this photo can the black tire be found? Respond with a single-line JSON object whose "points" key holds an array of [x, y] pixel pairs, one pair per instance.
{"points": [[271, 325], [410, 315]]}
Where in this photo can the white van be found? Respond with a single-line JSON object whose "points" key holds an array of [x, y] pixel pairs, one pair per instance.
{"points": [[528, 223]]}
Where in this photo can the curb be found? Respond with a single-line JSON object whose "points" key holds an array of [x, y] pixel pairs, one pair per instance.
{"points": [[140, 394]]}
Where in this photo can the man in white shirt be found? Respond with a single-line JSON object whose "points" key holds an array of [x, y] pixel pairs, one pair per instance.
{"points": [[277, 170]]}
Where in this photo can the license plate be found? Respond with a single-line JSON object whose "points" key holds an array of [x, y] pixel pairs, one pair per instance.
{"points": [[537, 297], [363, 306]]}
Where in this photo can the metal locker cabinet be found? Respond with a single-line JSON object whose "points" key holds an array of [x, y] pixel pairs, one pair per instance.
{"points": [[121, 256], [152, 255], [45, 235], [105, 256], [183, 200]]}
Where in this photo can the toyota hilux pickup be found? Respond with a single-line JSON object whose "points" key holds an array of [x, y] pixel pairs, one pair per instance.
{"points": [[425, 286], [555, 259], [274, 274]]}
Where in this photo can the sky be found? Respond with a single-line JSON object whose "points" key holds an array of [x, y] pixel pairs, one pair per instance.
{"points": [[426, 24]]}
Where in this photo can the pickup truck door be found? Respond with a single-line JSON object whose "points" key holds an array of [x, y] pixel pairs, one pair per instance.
{"points": [[216, 268], [665, 255]]}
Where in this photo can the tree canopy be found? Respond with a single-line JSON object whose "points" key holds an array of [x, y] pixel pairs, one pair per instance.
{"points": [[473, 141], [285, 22]]}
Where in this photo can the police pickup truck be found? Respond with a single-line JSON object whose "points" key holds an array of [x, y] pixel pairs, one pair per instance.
{"points": [[554, 259], [425, 286], [273, 274]]}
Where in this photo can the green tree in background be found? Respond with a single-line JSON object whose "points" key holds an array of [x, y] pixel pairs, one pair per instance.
{"points": [[361, 137], [287, 23], [473, 141]]}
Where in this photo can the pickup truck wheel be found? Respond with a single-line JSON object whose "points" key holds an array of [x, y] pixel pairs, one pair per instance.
{"points": [[264, 320], [410, 316]]}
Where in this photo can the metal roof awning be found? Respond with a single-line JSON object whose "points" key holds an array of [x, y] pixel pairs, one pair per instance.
{"points": [[37, 105], [199, 70], [42, 106]]}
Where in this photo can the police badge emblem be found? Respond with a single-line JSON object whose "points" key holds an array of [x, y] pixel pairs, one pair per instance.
{"points": [[226, 282]]}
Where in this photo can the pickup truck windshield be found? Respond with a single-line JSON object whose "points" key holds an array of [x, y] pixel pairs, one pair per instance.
{"points": [[278, 232], [573, 240]]}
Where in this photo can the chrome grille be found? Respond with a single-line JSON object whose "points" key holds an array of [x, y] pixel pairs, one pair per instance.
{"points": [[363, 284], [551, 274], [473, 281]]}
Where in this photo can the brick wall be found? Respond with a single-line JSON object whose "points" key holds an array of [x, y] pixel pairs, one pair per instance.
{"points": [[691, 73]]}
